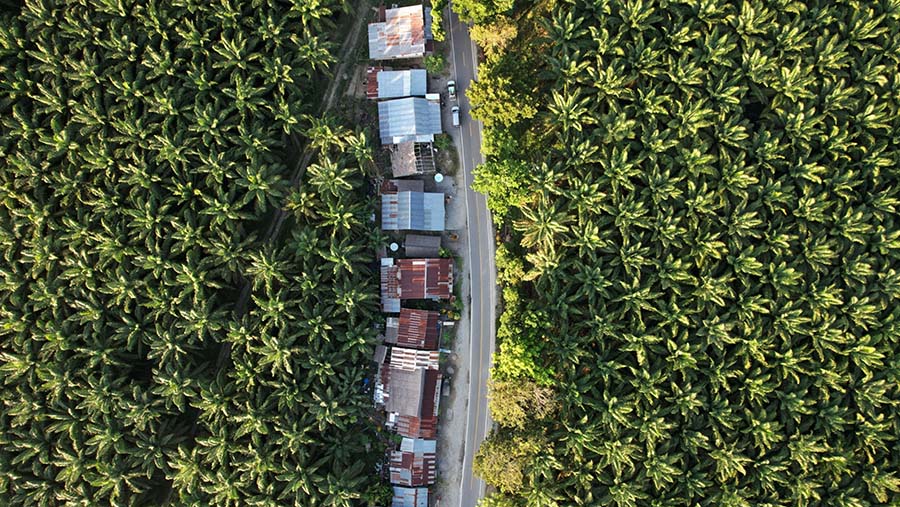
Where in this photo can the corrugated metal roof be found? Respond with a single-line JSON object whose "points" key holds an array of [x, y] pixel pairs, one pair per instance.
{"points": [[412, 211], [402, 83], [413, 359], [415, 464], [410, 497], [410, 119], [390, 286], [401, 35], [418, 245], [418, 329], [418, 445]]}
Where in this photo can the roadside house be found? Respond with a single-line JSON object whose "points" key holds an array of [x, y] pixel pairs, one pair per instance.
{"points": [[405, 207], [410, 119], [418, 329], [411, 158], [403, 32], [419, 245], [394, 84], [415, 463], [414, 279], [410, 399], [410, 497]]}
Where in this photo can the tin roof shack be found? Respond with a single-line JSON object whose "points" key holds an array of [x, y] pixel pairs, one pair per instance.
{"points": [[419, 245], [410, 497], [418, 329], [411, 399], [411, 119], [413, 359], [414, 279], [393, 84], [415, 463], [405, 32], [408, 159], [404, 207]]}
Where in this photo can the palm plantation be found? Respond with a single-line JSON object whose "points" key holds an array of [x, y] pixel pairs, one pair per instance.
{"points": [[143, 148], [700, 260]]}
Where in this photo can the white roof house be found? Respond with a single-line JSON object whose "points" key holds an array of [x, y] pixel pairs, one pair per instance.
{"points": [[410, 119]]}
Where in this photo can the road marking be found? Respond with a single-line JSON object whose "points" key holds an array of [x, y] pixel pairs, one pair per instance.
{"points": [[462, 150]]}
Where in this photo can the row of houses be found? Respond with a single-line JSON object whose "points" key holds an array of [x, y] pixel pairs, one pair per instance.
{"points": [[408, 380]]}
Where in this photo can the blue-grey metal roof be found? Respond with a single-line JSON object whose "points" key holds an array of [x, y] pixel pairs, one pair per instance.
{"points": [[428, 21], [402, 83], [410, 497], [412, 211], [409, 119]]}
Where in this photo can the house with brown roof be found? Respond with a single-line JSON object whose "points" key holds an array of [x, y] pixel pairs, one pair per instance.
{"points": [[411, 398], [415, 463], [402, 32], [404, 279], [418, 329]]}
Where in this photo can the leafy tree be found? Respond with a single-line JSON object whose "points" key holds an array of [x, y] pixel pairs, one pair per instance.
{"points": [[506, 184], [435, 64], [481, 11], [503, 460], [513, 402], [495, 36], [496, 102]]}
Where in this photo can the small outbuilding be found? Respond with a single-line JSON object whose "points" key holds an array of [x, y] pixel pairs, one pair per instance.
{"points": [[394, 84], [420, 245]]}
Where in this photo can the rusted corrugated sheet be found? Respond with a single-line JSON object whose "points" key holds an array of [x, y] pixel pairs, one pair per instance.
{"points": [[418, 329]]}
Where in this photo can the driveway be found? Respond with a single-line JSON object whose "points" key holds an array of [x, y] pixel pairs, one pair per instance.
{"points": [[462, 488]]}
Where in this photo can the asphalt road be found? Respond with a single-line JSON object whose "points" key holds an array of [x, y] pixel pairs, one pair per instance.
{"points": [[483, 279]]}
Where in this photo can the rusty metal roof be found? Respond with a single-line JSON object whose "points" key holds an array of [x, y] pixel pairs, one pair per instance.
{"points": [[418, 329], [401, 35]]}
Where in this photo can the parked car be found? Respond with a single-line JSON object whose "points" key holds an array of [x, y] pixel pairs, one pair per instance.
{"points": [[451, 89], [455, 112]]}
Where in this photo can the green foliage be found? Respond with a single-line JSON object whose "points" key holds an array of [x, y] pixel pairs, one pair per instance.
{"points": [[514, 402], [437, 18], [495, 36], [503, 460], [505, 182], [443, 142], [143, 157], [709, 251], [517, 359], [497, 99], [481, 11], [510, 268], [435, 64]]}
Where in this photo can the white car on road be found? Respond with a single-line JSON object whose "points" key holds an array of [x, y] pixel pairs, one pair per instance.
{"points": [[455, 112]]}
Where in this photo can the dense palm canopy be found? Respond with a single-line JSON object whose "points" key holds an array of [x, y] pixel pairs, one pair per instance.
{"points": [[707, 257], [142, 150]]}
